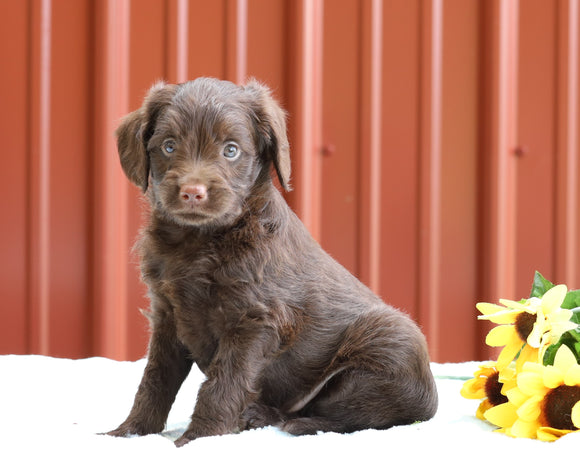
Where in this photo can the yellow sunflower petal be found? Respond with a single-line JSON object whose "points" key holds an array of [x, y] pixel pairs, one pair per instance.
{"points": [[535, 337], [531, 383], [488, 308], [572, 376], [503, 415], [507, 383], [482, 408], [561, 315], [485, 370], [549, 434], [530, 410], [576, 414], [531, 306], [508, 353], [528, 354], [564, 359], [473, 389], [504, 430], [504, 317], [525, 429], [553, 298], [561, 327], [500, 335], [553, 377], [516, 396]]}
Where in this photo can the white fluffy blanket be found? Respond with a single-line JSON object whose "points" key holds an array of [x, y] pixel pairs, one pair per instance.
{"points": [[51, 411]]}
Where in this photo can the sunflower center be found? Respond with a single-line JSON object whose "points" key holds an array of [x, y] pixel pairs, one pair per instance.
{"points": [[524, 325], [557, 407], [493, 390]]}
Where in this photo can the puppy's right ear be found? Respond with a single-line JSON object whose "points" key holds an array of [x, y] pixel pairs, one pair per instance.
{"points": [[134, 158], [136, 129]]}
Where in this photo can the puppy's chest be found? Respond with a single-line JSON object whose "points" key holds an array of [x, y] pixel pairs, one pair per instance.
{"points": [[209, 289]]}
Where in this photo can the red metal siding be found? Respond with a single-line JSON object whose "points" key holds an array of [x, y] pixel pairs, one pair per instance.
{"points": [[14, 47], [435, 150]]}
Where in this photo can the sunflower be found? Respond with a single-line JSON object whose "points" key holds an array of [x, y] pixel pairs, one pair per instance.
{"points": [[528, 327], [487, 387], [545, 404]]}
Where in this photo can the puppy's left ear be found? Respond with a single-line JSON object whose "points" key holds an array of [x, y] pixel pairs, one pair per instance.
{"points": [[271, 130]]}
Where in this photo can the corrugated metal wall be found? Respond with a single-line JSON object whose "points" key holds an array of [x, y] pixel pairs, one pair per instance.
{"points": [[435, 150]]}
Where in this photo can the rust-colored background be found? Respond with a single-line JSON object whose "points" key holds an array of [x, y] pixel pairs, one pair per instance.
{"points": [[435, 150]]}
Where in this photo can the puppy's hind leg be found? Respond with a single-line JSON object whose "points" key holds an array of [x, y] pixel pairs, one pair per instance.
{"points": [[304, 419], [358, 399]]}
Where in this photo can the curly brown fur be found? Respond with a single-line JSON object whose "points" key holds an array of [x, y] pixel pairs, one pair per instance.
{"points": [[283, 333]]}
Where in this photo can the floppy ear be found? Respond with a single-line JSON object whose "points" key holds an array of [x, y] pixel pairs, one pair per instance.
{"points": [[136, 129], [132, 153], [271, 128]]}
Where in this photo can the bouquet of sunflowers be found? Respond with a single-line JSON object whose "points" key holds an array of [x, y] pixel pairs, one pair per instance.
{"points": [[533, 389]]}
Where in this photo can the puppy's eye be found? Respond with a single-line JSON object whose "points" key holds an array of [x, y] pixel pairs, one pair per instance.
{"points": [[231, 151], [169, 147]]}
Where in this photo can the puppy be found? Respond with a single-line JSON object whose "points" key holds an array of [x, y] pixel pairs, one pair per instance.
{"points": [[283, 333]]}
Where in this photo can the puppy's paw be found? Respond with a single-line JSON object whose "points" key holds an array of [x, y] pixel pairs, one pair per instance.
{"points": [[257, 415], [186, 438], [308, 426], [119, 432], [128, 429]]}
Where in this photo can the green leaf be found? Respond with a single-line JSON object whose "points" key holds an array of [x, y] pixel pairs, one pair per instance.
{"points": [[572, 300], [550, 354], [571, 339], [540, 285], [575, 334], [575, 315], [577, 351]]}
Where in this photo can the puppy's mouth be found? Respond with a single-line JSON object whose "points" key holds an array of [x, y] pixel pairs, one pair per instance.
{"points": [[194, 215], [197, 205]]}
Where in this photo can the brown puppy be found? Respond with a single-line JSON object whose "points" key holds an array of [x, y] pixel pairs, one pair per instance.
{"points": [[284, 334]]}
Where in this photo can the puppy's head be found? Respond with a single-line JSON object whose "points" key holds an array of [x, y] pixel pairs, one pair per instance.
{"points": [[201, 148]]}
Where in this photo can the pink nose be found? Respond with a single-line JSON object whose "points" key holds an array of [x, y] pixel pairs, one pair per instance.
{"points": [[193, 194]]}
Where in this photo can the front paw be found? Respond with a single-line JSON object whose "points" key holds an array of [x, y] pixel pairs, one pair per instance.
{"points": [[128, 429], [184, 439]]}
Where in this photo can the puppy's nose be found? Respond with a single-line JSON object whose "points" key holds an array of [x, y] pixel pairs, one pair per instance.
{"points": [[193, 194]]}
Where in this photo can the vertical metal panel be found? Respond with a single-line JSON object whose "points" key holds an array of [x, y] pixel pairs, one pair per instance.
{"points": [[111, 246], [305, 107], [177, 39], [459, 181], [339, 183], [58, 216], [236, 40], [567, 251], [370, 144], [399, 201], [14, 252], [68, 179], [535, 133], [158, 50], [40, 176], [430, 194], [498, 140], [268, 47], [207, 43]]}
